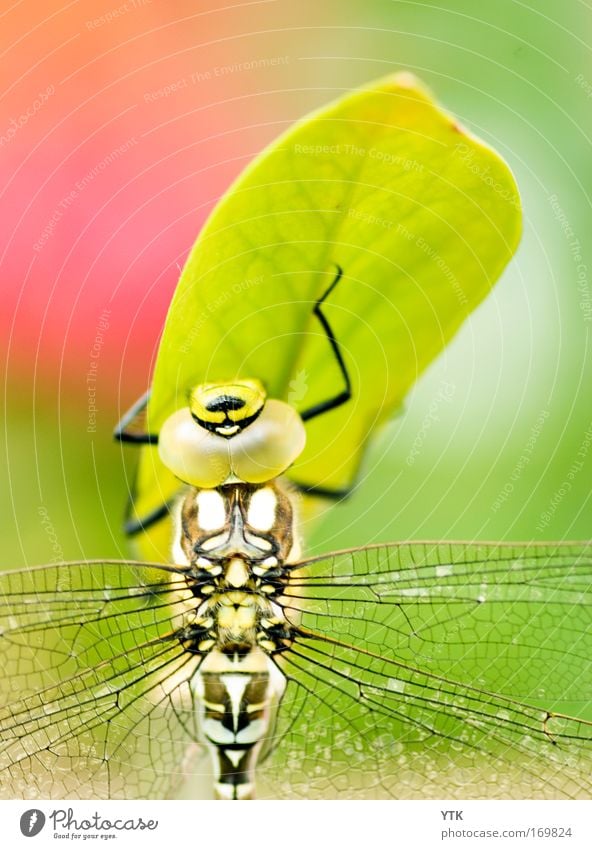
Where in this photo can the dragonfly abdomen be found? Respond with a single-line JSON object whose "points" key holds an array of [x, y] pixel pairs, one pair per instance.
{"points": [[237, 699]]}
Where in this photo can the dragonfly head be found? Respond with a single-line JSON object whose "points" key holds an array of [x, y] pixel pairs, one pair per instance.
{"points": [[231, 433], [227, 408]]}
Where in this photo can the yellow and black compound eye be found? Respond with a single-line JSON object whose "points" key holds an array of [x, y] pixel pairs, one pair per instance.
{"points": [[227, 408]]}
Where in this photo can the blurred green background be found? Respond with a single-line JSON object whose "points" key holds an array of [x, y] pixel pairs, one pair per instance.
{"points": [[496, 439]]}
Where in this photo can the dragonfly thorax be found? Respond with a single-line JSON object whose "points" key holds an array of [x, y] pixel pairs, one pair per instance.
{"points": [[254, 523], [236, 542]]}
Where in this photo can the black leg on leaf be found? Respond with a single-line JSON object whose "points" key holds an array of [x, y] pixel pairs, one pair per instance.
{"points": [[345, 394], [131, 426]]}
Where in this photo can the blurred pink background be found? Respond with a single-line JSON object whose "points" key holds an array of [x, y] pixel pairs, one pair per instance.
{"points": [[120, 129]]}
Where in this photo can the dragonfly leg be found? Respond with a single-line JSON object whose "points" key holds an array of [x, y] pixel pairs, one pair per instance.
{"points": [[129, 428], [345, 394], [333, 493], [132, 526]]}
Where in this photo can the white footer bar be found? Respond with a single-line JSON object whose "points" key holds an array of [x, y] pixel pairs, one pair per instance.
{"points": [[297, 825]]}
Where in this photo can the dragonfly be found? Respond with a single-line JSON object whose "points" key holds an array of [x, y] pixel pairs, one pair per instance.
{"points": [[229, 663]]}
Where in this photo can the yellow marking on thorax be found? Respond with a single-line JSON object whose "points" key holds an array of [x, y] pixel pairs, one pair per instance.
{"points": [[211, 511], [237, 619], [262, 509], [237, 573]]}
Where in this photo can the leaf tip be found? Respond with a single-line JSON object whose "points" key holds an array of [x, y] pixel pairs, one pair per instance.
{"points": [[405, 79]]}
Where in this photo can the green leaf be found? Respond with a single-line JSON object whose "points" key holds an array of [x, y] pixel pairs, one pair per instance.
{"points": [[421, 217]]}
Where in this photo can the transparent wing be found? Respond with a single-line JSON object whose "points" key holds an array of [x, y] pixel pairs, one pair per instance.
{"points": [[419, 671], [438, 671], [94, 695]]}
